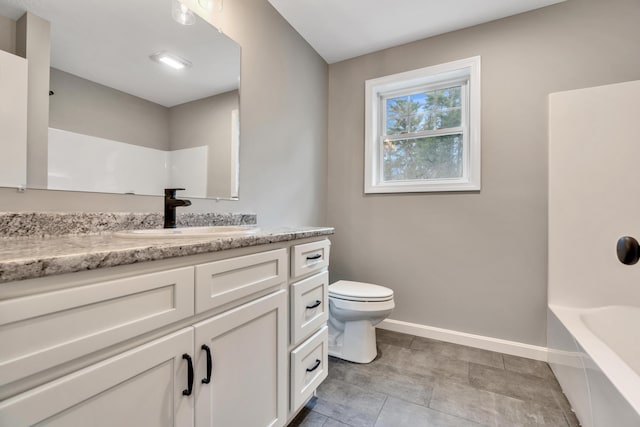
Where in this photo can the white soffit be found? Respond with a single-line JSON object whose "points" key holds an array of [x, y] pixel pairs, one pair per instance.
{"points": [[343, 29]]}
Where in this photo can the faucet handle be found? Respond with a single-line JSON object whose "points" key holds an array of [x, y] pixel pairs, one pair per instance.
{"points": [[171, 192]]}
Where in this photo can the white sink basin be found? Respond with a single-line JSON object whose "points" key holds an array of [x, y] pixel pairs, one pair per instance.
{"points": [[173, 233]]}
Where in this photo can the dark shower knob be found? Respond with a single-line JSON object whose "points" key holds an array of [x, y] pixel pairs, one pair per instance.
{"points": [[628, 250]]}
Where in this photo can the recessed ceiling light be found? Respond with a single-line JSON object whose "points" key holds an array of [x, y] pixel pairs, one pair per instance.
{"points": [[173, 61]]}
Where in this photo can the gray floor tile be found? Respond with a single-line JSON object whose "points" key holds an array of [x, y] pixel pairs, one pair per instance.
{"points": [[416, 363], [527, 366], [308, 418], [420, 382], [443, 349], [450, 370], [405, 360], [465, 401], [518, 413], [387, 380], [384, 336], [513, 384], [398, 413], [492, 409], [347, 403]]}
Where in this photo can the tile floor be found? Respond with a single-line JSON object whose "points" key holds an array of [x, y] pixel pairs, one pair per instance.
{"points": [[416, 382]]}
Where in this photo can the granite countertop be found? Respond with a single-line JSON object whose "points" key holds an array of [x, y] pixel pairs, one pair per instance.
{"points": [[26, 258]]}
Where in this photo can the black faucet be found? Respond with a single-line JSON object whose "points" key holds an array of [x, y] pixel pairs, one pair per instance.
{"points": [[170, 205]]}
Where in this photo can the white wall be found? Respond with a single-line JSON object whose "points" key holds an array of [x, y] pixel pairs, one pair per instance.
{"points": [[594, 189], [474, 262], [117, 167]]}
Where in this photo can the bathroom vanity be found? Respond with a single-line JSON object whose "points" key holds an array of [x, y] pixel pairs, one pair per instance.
{"points": [[220, 331]]}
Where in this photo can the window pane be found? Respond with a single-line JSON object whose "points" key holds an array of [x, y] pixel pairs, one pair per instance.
{"points": [[405, 114], [423, 158], [443, 108], [436, 109]]}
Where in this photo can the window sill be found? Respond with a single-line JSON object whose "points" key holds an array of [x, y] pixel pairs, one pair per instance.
{"points": [[413, 187]]}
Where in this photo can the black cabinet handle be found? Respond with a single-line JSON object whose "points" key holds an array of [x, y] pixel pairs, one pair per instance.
{"points": [[206, 348], [189, 389], [318, 362], [316, 256], [314, 305]]}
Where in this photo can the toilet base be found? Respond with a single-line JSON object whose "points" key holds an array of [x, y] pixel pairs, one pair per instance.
{"points": [[356, 344]]}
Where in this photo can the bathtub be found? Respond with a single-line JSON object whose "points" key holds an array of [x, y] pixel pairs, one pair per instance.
{"points": [[595, 354]]}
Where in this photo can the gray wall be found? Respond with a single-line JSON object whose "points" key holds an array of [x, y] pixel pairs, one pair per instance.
{"points": [[89, 108], [207, 122], [474, 262], [7, 35], [283, 126]]}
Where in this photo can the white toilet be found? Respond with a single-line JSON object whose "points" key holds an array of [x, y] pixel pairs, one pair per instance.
{"points": [[355, 309]]}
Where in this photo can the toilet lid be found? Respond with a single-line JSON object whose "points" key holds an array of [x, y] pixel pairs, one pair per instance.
{"points": [[358, 291]]}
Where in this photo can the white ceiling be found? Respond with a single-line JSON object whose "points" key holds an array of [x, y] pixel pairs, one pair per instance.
{"points": [[109, 42], [343, 29]]}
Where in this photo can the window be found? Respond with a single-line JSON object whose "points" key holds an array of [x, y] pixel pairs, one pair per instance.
{"points": [[423, 130]]}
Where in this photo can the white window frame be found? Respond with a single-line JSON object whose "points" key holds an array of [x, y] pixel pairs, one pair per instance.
{"points": [[377, 90]]}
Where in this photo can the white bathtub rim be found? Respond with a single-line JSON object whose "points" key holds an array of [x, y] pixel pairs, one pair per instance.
{"points": [[621, 375]]}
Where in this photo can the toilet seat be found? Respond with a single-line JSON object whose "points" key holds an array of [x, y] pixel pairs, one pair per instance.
{"points": [[358, 291]]}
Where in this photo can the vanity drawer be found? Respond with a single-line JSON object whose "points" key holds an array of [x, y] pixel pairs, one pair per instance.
{"points": [[309, 306], [51, 328], [309, 258], [309, 367], [222, 282]]}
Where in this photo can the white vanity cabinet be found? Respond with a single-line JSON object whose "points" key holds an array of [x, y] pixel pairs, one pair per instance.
{"points": [[207, 340], [140, 387], [309, 313]]}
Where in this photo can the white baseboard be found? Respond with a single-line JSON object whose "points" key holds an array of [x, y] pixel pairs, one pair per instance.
{"points": [[478, 341]]}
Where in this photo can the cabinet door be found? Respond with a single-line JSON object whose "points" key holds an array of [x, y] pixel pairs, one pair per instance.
{"points": [[140, 387], [248, 353]]}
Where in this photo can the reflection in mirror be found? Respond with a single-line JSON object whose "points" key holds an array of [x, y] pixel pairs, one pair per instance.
{"points": [[119, 118]]}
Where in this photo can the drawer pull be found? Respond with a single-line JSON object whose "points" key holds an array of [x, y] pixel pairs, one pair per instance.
{"points": [[312, 257], [315, 366], [314, 305], [189, 389], [206, 348]]}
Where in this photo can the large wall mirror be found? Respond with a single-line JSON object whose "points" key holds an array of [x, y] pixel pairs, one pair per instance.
{"points": [[137, 101]]}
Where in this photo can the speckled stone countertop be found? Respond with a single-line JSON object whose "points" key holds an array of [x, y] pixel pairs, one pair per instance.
{"points": [[26, 258], [49, 224]]}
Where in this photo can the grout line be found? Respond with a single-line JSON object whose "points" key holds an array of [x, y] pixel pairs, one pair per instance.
{"points": [[336, 420], [386, 397]]}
